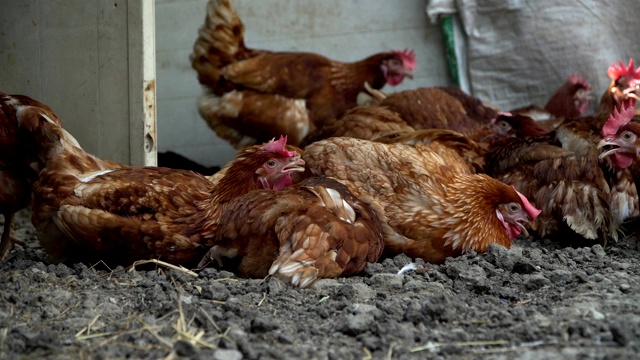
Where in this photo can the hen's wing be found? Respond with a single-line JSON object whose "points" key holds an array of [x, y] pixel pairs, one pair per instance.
{"points": [[472, 152], [361, 122], [316, 229], [286, 74], [123, 215], [432, 108], [220, 42]]}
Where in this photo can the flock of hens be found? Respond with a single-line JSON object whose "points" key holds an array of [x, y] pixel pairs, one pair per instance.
{"points": [[430, 172]]}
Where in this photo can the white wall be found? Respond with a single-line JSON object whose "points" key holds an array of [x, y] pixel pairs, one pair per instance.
{"points": [[93, 63], [345, 30]]}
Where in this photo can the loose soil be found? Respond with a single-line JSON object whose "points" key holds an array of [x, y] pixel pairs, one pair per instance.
{"points": [[534, 301]]}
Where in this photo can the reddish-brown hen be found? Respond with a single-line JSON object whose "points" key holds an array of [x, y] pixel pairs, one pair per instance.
{"points": [[18, 162], [254, 95], [311, 230], [570, 100], [88, 209], [433, 206]]}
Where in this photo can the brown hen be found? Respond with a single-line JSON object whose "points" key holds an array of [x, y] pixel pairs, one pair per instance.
{"points": [[433, 206], [18, 161], [621, 142], [312, 230], [253, 95], [87, 209], [435, 108], [570, 100]]}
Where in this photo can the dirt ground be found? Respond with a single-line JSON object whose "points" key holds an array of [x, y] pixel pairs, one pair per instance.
{"points": [[533, 301]]}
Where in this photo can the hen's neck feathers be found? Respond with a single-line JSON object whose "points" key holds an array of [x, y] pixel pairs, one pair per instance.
{"points": [[471, 218], [350, 77], [238, 177], [607, 104]]}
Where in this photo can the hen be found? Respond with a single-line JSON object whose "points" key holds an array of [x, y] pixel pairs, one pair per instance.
{"points": [[570, 100], [433, 206], [18, 165], [314, 229], [253, 95], [88, 209]]}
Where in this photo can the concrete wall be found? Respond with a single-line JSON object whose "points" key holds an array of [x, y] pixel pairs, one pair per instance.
{"points": [[345, 30]]}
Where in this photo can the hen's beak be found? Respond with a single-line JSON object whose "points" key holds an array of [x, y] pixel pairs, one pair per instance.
{"points": [[614, 147], [631, 92], [408, 73], [524, 224], [296, 164]]}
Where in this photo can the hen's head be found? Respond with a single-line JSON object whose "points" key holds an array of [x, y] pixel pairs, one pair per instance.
{"points": [[268, 166], [514, 212], [401, 64], [278, 164], [515, 125], [625, 83], [621, 138]]}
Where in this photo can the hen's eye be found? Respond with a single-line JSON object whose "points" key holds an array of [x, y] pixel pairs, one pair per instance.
{"points": [[271, 163], [627, 136], [514, 207]]}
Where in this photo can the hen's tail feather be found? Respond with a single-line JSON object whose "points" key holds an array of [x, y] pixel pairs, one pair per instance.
{"points": [[583, 208], [220, 42]]}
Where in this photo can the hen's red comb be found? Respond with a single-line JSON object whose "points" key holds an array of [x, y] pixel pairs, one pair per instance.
{"points": [[617, 71], [408, 57], [578, 79], [531, 210], [616, 120], [278, 146]]}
